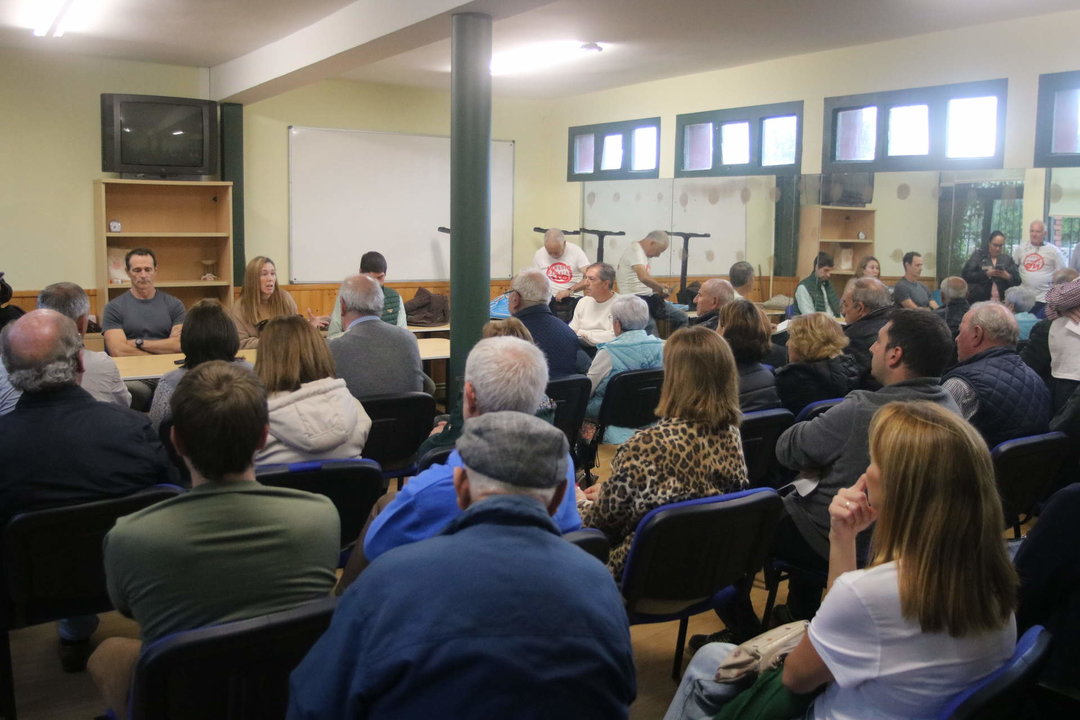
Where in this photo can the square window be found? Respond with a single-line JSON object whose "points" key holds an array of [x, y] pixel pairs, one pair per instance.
{"points": [[584, 153], [698, 146], [735, 143], [643, 156], [971, 127], [1066, 135], [779, 136], [856, 134], [909, 130], [613, 152]]}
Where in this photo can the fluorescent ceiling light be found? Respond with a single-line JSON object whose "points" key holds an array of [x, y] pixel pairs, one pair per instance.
{"points": [[541, 56], [50, 18]]}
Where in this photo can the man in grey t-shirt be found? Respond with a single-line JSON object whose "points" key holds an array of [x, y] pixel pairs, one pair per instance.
{"points": [[908, 291], [144, 320]]}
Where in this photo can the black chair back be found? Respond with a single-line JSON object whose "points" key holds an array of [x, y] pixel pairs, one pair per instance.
{"points": [[1026, 469], [818, 407], [354, 486], [591, 541], [1000, 694], [399, 424], [760, 430], [571, 396], [236, 671], [165, 435], [630, 399], [435, 456]]}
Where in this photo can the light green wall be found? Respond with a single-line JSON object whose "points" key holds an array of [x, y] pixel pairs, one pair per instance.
{"points": [[50, 142]]}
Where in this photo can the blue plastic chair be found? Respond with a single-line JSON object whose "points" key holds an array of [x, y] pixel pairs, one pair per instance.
{"points": [[818, 407]]}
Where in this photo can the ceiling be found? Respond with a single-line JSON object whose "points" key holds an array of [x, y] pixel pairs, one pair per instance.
{"points": [[644, 39]]}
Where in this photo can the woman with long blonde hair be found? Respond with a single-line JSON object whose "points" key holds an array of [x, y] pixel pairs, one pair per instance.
{"points": [[260, 299]]}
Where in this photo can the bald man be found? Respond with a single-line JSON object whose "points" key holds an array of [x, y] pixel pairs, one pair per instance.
{"points": [[713, 295], [1038, 262], [564, 264]]}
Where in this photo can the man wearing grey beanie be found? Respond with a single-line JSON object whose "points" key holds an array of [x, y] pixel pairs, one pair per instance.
{"points": [[497, 616]]}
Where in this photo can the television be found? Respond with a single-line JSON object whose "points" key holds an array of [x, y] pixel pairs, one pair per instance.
{"points": [[850, 189], [156, 136]]}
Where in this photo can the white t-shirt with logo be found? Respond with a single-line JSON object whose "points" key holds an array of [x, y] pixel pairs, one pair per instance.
{"points": [[1037, 266], [562, 272]]}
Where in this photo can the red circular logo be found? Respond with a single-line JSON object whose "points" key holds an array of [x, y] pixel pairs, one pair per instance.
{"points": [[1034, 262], [560, 273]]}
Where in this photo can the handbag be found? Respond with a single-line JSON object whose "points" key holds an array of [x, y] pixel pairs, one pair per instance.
{"points": [[767, 699], [763, 652]]}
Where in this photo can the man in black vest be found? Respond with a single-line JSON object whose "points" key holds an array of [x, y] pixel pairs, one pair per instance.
{"points": [[1000, 395]]}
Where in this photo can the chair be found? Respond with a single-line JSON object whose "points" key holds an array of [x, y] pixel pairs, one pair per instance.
{"points": [[591, 541], [1026, 469], [685, 553], [165, 435], [998, 694], [235, 671], [354, 486], [435, 456], [571, 396], [778, 571], [54, 568], [759, 431], [629, 401], [818, 407], [399, 424]]}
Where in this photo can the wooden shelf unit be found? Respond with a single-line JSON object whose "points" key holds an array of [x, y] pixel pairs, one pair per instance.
{"points": [[833, 230], [183, 222]]}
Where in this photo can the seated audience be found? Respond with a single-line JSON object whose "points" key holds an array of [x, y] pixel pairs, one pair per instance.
{"points": [[908, 291], [1063, 309], [564, 265], [632, 349], [529, 296], [954, 302], [497, 617], [209, 334], [592, 314], [815, 293], [313, 416], [741, 275], [1000, 395], [372, 265], [869, 267], [373, 357], [990, 272], [747, 331], [866, 305], [502, 374], [931, 614], [1020, 301], [60, 446], [260, 299], [1036, 353], [634, 277], [908, 358], [713, 295], [694, 451], [227, 550], [817, 369]]}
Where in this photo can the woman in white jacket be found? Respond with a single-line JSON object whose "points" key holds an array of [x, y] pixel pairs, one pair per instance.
{"points": [[313, 416]]}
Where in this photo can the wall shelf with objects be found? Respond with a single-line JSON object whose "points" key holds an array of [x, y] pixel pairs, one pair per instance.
{"points": [[188, 225], [846, 233]]}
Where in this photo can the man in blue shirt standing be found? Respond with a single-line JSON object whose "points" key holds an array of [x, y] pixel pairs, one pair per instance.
{"points": [[496, 617]]}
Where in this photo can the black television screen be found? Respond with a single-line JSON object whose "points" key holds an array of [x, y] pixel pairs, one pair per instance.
{"points": [[158, 136]]}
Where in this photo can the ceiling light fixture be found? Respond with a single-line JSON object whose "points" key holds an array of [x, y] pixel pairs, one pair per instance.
{"points": [[541, 56], [53, 22]]}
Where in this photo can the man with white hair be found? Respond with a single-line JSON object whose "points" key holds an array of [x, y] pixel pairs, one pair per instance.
{"points": [[954, 302], [1000, 395], [564, 265], [528, 302], [501, 374], [496, 617], [373, 357], [635, 278], [1038, 262], [60, 446], [713, 295]]}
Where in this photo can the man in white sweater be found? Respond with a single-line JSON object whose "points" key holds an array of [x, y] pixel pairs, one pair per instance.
{"points": [[592, 316]]}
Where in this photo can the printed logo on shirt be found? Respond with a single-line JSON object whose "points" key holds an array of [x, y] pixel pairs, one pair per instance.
{"points": [[560, 273], [1034, 262]]}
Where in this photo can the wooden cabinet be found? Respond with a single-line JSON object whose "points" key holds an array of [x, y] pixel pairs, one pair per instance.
{"points": [[188, 225], [845, 233]]}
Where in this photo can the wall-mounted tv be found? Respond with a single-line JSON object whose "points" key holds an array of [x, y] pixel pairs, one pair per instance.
{"points": [[155, 136]]}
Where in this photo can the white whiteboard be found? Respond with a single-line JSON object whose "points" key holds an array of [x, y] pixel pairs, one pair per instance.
{"points": [[701, 205], [351, 191]]}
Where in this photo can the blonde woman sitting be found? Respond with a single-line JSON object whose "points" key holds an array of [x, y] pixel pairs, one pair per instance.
{"points": [[817, 369]]}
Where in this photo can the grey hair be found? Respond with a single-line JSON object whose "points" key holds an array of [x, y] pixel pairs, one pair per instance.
{"points": [[554, 234], [66, 298], [506, 373], [362, 294], [741, 273], [720, 289], [996, 321], [1064, 275], [480, 484], [871, 292], [605, 272], [57, 369], [532, 285], [1021, 298], [953, 288], [631, 312], [659, 236]]}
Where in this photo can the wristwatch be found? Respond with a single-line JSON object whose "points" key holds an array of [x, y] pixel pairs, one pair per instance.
{"points": [[138, 343]]}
